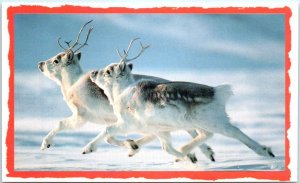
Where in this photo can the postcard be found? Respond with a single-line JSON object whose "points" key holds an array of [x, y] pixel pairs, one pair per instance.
{"points": [[149, 91]]}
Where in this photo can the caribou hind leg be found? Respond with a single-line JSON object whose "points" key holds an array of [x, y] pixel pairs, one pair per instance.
{"points": [[205, 149], [184, 151], [198, 140], [234, 132]]}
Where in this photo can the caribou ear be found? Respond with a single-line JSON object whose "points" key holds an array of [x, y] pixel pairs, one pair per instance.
{"points": [[69, 55], [130, 66], [78, 55], [122, 66]]}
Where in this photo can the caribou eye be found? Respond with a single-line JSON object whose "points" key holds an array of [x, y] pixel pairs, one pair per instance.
{"points": [[55, 61], [108, 72]]}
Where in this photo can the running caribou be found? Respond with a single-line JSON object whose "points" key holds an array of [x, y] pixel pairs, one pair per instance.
{"points": [[160, 107]]}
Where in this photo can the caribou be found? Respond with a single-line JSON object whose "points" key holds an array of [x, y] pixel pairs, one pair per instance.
{"points": [[160, 107]]}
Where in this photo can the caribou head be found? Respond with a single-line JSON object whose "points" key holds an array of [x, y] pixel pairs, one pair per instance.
{"points": [[52, 68], [117, 72]]}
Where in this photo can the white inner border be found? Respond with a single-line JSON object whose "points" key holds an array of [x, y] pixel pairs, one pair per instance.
{"points": [[292, 132]]}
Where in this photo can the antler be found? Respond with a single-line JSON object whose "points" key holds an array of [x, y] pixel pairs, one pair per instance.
{"points": [[125, 55], [77, 39], [58, 41], [86, 39]]}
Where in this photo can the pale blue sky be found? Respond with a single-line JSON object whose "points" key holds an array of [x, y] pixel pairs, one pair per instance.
{"points": [[178, 43], [213, 41]]}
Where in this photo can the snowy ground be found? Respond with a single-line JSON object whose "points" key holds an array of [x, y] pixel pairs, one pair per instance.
{"points": [[257, 108]]}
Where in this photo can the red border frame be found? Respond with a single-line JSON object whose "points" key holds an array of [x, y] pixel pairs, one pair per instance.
{"points": [[205, 175]]}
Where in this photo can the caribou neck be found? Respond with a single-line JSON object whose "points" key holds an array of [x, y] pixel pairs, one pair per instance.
{"points": [[120, 86], [69, 76]]}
